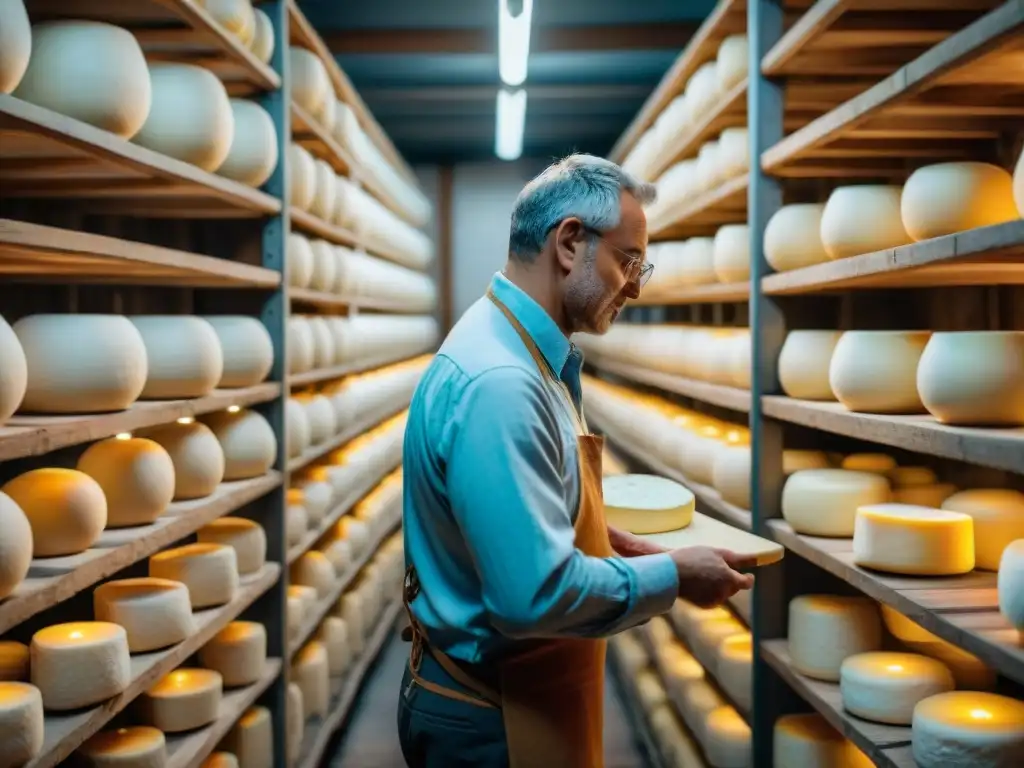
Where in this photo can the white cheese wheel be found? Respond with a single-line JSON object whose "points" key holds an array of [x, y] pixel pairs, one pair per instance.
{"points": [[300, 345], [236, 16], [21, 722], [135, 746], [319, 416], [210, 571], [238, 653], [295, 720], [312, 673], [964, 729], [730, 475], [884, 687], [731, 62], [326, 189], [734, 668], [294, 613], [15, 545], [731, 253], [329, 113], [252, 156], [136, 475], [974, 378], [191, 117], [824, 502], [183, 354], [792, 238], [946, 198], [80, 664], [325, 266], [920, 541], [709, 166], [340, 553], [727, 739], [686, 617], [702, 89], [876, 371], [299, 434], [877, 463], [350, 608], [1018, 184], [807, 741], [862, 219], [323, 344], [14, 661], [311, 85], [296, 521], [196, 454], [924, 495], [313, 569], [155, 613], [90, 71], [317, 497], [221, 760], [1011, 584], [697, 262], [678, 669], [300, 260], [66, 509], [804, 364], [733, 153], [646, 503], [248, 440], [826, 629], [251, 741], [301, 177], [81, 363], [15, 46], [183, 700], [248, 351], [699, 700], [246, 537], [263, 38], [13, 368], [649, 690], [334, 636]]}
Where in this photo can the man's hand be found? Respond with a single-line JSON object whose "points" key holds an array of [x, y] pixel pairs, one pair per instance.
{"points": [[630, 545], [708, 576]]}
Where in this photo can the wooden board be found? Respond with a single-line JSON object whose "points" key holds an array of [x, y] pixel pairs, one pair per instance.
{"points": [[312, 225], [698, 294], [347, 369], [725, 204], [716, 394], [705, 531], [309, 297]]}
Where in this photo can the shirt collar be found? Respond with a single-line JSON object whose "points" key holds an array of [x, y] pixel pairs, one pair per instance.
{"points": [[546, 334]]}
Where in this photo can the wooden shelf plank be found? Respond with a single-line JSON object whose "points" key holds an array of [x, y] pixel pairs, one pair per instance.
{"points": [[962, 610], [35, 435], [984, 256], [313, 225], [699, 294], [312, 135], [64, 733], [716, 394], [365, 422], [338, 371], [110, 172], [33, 251], [998, 448], [725, 204], [335, 301], [52, 580]]}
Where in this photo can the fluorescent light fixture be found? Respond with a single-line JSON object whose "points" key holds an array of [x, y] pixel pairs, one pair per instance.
{"points": [[514, 40], [509, 124]]}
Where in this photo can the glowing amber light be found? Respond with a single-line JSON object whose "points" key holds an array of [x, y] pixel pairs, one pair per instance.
{"points": [[895, 667], [123, 436], [981, 714], [76, 635], [234, 408], [186, 420]]}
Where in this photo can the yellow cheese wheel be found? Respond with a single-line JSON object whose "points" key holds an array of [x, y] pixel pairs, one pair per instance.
{"points": [[66, 509], [980, 730], [884, 687], [14, 662], [246, 537], [238, 652], [824, 502], [136, 746], [183, 700], [21, 722], [252, 739], [795, 460], [247, 439], [879, 463], [807, 741], [221, 760], [924, 495], [826, 629], [708, 635], [79, 664], [156, 613], [210, 571], [196, 454], [699, 700], [15, 545], [295, 719], [646, 503], [311, 671], [946, 198], [920, 541], [876, 371], [136, 475], [909, 477], [734, 668], [727, 739]]}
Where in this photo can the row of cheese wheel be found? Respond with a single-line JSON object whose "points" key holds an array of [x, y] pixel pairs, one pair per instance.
{"points": [[337, 269], [85, 363], [724, 258], [316, 343]]}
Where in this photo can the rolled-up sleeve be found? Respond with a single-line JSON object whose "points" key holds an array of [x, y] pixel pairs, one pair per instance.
{"points": [[512, 512]]}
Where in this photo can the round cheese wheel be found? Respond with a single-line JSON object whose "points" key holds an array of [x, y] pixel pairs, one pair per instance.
{"points": [[251, 741], [66, 509], [794, 460], [14, 661], [731, 253], [807, 741], [90, 71], [221, 760], [876, 371], [140, 746], [709, 167], [731, 62], [236, 16], [334, 636], [296, 521], [15, 545], [21, 720], [210, 571], [702, 89], [877, 463], [884, 687], [920, 541], [733, 153], [697, 262], [1018, 184], [678, 669], [325, 266], [183, 354], [81, 363], [191, 117], [1011, 583], [910, 477], [252, 156], [15, 45], [248, 440], [792, 238], [804, 364], [156, 613], [323, 204], [699, 700], [826, 629], [295, 720], [646, 503], [13, 368], [246, 537], [734, 668], [80, 664], [301, 177], [238, 653], [312, 673], [323, 343], [299, 435], [196, 454], [731, 475], [824, 502], [319, 416], [248, 351], [183, 700], [862, 219], [727, 739], [313, 569], [924, 495], [974, 378], [317, 497], [136, 475], [300, 345], [311, 85], [350, 608], [946, 198], [263, 37], [686, 617], [659, 633], [340, 553], [649, 690], [965, 729], [300, 261], [329, 113]]}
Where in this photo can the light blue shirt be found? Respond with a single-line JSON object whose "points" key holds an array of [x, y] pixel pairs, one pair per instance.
{"points": [[492, 489]]}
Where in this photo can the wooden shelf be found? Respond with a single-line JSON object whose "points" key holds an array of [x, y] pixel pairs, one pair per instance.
{"points": [[339, 371], [311, 134], [725, 204], [52, 580], [189, 750], [46, 155], [953, 102], [317, 227], [998, 448], [716, 293], [716, 394], [639, 726], [319, 732], [365, 423], [876, 740], [334, 301], [984, 256], [65, 732], [962, 610], [35, 435], [39, 253]]}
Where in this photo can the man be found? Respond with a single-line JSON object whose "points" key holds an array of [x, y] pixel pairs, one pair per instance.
{"points": [[514, 576]]}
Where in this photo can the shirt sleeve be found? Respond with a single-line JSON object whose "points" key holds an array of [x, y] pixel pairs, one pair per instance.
{"points": [[512, 512]]}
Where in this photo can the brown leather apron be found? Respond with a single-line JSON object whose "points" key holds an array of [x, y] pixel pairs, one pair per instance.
{"points": [[551, 691]]}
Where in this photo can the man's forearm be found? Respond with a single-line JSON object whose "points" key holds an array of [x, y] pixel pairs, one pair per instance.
{"points": [[627, 544]]}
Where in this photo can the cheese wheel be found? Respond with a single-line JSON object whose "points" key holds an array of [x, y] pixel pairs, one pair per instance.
{"points": [[15, 46], [731, 62], [920, 541], [263, 37], [210, 571], [15, 545], [350, 608], [804, 364], [924, 495], [252, 156], [340, 553], [884, 687], [136, 476], [1011, 584], [236, 16], [794, 460], [89, 71], [824, 502], [81, 363], [679, 669], [702, 89], [248, 351], [323, 204], [878, 463], [946, 198], [646, 503], [247, 537], [248, 440], [311, 85], [708, 167], [295, 719], [300, 345], [155, 613], [334, 636], [658, 633], [807, 741], [325, 265], [14, 661], [221, 760], [301, 177], [649, 690], [312, 673], [317, 497], [674, 745], [964, 729], [80, 664], [699, 700], [730, 475], [21, 721], [876, 371], [862, 219], [299, 434], [727, 739], [252, 739], [66, 509], [826, 629], [1018, 184], [183, 700], [13, 368], [136, 746], [196, 454], [686, 617], [708, 635], [184, 357], [911, 477], [731, 253], [300, 260], [734, 668], [319, 416], [733, 153], [323, 343], [974, 378], [238, 653], [296, 522], [792, 237], [313, 569]]}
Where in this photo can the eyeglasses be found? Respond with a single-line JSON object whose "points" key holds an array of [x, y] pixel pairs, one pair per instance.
{"points": [[635, 269]]}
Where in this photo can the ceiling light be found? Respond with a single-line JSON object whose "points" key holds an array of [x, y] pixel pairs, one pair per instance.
{"points": [[509, 124], [514, 40]]}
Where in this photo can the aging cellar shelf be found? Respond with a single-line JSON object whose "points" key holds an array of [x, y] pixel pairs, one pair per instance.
{"points": [[638, 722], [338, 371], [716, 394], [318, 451], [309, 297], [714, 293], [313, 225], [725, 204], [308, 132]]}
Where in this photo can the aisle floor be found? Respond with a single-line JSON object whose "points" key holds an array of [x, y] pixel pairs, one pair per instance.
{"points": [[370, 740]]}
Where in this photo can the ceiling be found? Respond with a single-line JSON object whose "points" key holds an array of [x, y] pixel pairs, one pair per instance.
{"points": [[428, 69]]}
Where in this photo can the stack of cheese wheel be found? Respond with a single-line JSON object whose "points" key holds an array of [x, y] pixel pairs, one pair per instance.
{"points": [[371, 395], [368, 277], [13, 372], [380, 229], [401, 194], [381, 338], [913, 540]]}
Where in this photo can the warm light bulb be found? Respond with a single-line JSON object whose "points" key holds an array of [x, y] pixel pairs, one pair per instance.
{"points": [[234, 408], [981, 714], [895, 667], [514, 42], [510, 123], [185, 420], [76, 635], [123, 436]]}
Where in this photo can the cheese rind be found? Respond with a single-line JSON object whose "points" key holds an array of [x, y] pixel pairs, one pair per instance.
{"points": [[824, 502], [312, 672], [183, 356], [727, 739], [826, 629], [155, 613], [196, 454], [15, 545], [884, 687], [137, 746], [136, 475], [21, 722], [79, 664], [965, 729], [238, 652], [876, 371], [66, 509], [946, 198], [998, 515], [807, 741], [920, 541], [246, 537], [252, 739], [862, 219], [183, 700], [804, 364], [1010, 584], [247, 347], [210, 571], [734, 667], [249, 444], [646, 503]]}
